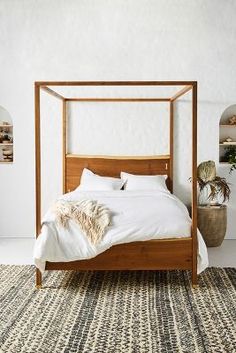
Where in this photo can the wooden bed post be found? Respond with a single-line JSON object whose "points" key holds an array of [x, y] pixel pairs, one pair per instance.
{"points": [[64, 143], [37, 172], [194, 186], [171, 143]]}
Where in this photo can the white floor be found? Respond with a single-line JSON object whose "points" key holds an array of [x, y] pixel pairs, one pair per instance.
{"points": [[19, 252]]}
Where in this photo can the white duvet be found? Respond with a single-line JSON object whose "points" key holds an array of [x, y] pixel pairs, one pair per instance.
{"points": [[136, 216]]}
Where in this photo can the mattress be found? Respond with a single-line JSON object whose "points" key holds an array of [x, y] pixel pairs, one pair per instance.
{"points": [[136, 216]]}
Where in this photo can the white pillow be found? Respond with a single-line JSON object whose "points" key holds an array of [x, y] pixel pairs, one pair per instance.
{"points": [[144, 182], [90, 182]]}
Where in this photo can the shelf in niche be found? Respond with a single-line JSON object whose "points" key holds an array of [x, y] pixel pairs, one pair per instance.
{"points": [[227, 125], [6, 134], [226, 131]]}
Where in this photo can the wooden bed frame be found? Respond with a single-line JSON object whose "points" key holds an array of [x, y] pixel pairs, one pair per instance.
{"points": [[164, 254]]}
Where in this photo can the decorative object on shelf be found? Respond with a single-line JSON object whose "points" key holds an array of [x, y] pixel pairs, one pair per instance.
{"points": [[7, 154], [213, 190], [230, 157], [228, 140], [212, 223], [232, 120], [6, 137]]}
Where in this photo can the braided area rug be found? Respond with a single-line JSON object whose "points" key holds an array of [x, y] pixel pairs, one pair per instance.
{"points": [[120, 312]]}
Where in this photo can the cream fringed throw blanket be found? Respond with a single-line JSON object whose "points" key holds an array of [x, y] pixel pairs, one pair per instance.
{"points": [[92, 217]]}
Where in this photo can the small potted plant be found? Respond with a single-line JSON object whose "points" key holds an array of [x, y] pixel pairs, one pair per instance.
{"points": [[230, 157], [213, 190], [5, 139]]}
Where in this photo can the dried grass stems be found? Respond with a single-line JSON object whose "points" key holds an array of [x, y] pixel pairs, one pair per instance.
{"points": [[206, 176]]}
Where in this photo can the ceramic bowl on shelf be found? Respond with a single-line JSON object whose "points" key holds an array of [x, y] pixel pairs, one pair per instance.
{"points": [[7, 159], [7, 153]]}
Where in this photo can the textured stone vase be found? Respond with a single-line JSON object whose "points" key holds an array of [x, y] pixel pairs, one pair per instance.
{"points": [[212, 223]]}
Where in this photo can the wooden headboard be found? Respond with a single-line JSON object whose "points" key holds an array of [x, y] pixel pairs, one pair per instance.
{"points": [[112, 166]]}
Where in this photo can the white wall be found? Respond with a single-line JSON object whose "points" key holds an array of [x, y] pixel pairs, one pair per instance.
{"points": [[119, 129], [111, 40]]}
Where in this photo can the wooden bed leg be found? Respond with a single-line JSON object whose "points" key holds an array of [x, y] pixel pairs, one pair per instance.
{"points": [[38, 279], [194, 279]]}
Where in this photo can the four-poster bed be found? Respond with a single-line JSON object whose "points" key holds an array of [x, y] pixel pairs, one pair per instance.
{"points": [[160, 254]]}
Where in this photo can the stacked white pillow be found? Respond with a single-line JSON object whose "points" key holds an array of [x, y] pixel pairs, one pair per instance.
{"points": [[93, 182], [144, 182]]}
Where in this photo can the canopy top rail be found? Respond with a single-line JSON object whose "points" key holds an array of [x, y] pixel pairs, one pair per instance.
{"points": [[187, 86]]}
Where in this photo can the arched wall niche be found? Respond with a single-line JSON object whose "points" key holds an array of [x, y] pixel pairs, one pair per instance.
{"points": [[227, 133], [6, 136]]}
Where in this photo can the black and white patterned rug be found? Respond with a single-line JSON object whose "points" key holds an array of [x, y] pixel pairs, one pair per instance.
{"points": [[120, 312]]}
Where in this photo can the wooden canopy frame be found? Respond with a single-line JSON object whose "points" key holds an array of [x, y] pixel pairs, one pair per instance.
{"points": [[175, 253]]}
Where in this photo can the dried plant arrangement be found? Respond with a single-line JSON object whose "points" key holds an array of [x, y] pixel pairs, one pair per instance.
{"points": [[207, 179]]}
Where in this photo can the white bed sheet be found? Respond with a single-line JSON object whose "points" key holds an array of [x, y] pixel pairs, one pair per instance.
{"points": [[136, 216]]}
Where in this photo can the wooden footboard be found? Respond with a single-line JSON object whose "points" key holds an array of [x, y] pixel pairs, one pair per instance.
{"points": [[166, 254]]}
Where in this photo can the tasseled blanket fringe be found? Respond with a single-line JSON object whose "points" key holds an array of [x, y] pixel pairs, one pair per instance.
{"points": [[92, 217]]}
